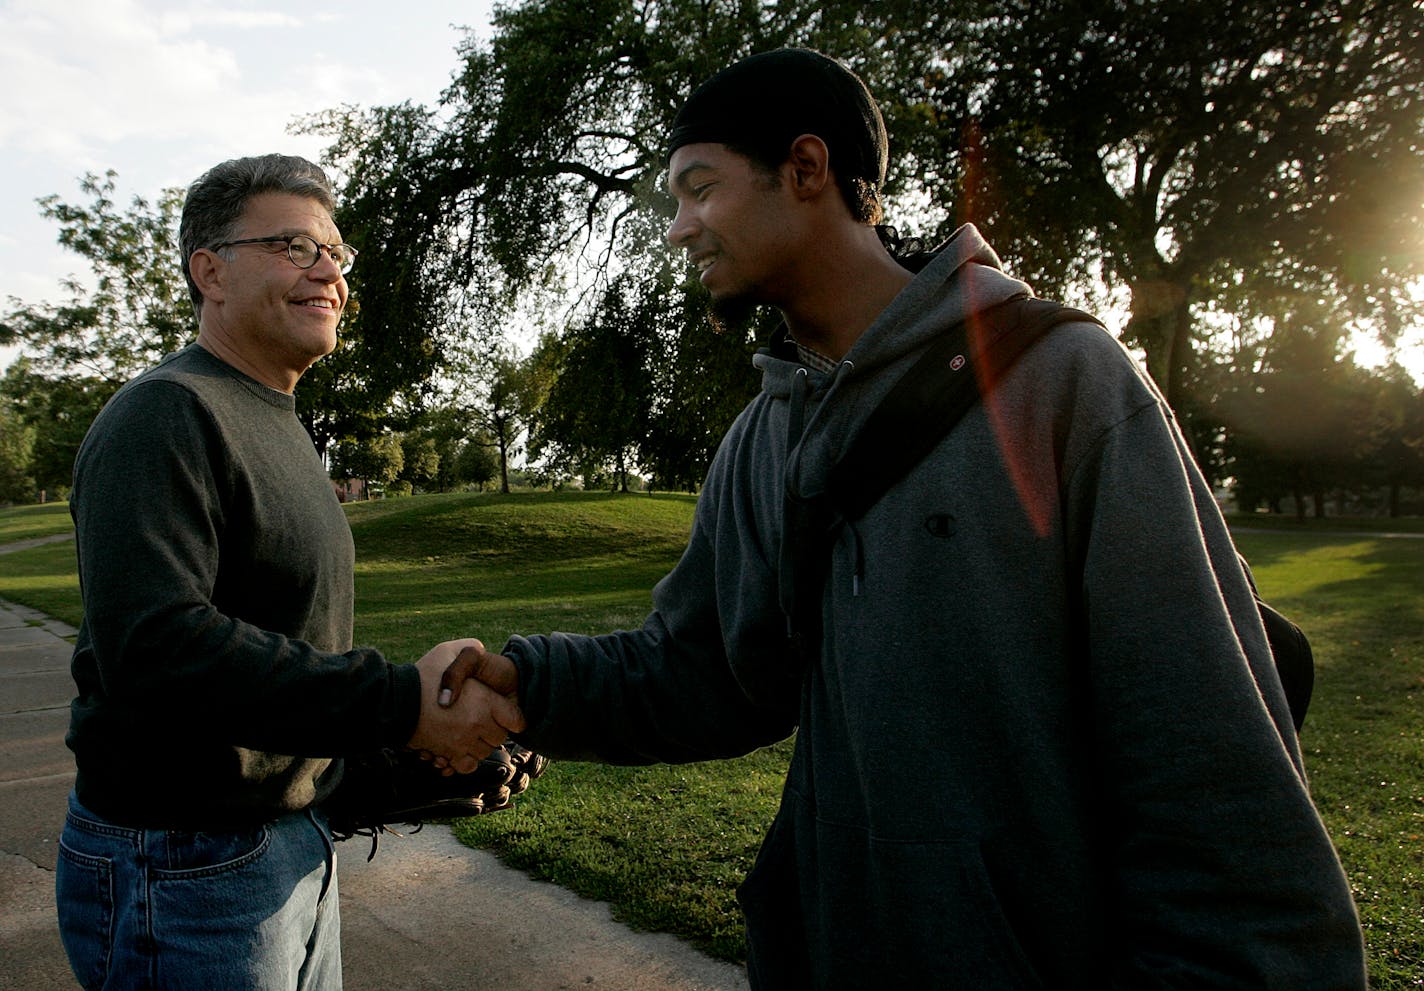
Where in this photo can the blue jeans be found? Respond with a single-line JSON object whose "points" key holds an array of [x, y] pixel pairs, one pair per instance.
{"points": [[172, 910]]}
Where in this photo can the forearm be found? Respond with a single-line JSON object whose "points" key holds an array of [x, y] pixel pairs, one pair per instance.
{"points": [[635, 697]]}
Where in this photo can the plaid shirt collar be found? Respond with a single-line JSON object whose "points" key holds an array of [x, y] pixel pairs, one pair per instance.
{"points": [[814, 360]]}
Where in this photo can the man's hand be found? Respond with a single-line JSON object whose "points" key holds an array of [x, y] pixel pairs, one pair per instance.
{"points": [[472, 724], [495, 672]]}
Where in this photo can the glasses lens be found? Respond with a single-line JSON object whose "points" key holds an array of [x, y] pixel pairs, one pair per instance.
{"points": [[303, 251], [345, 257]]}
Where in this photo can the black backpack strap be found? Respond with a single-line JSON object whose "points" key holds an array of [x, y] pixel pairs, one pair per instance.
{"points": [[965, 361], [963, 364]]}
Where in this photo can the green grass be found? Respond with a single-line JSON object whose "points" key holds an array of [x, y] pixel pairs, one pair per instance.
{"points": [[668, 845], [28, 522], [1330, 525], [1359, 600], [433, 568], [44, 576]]}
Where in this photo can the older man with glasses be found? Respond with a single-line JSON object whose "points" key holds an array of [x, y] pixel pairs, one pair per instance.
{"points": [[217, 681]]}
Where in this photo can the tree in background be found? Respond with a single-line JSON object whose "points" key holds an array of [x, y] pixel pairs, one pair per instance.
{"points": [[1184, 151], [138, 309], [1300, 423], [1172, 150], [432, 447], [17, 442], [374, 461], [420, 460], [1396, 433], [476, 463], [596, 411], [78, 353], [58, 411], [513, 390]]}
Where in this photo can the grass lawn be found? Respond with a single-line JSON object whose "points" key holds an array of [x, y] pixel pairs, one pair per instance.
{"points": [[668, 845]]}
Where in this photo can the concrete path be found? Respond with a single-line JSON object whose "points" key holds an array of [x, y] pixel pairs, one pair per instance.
{"points": [[428, 914]]}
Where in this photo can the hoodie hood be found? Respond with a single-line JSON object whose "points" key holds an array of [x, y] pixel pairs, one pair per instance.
{"points": [[964, 277]]}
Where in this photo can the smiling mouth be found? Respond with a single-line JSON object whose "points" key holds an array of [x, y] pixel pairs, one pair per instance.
{"points": [[318, 304]]}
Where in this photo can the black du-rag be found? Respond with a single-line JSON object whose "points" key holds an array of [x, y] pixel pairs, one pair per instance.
{"points": [[764, 102]]}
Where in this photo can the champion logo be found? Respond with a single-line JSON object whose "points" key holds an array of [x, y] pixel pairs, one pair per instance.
{"points": [[956, 363], [941, 525]]}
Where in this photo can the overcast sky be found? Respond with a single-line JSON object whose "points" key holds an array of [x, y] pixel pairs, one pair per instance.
{"points": [[159, 90]]}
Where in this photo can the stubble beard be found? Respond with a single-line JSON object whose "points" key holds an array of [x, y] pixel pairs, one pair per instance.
{"points": [[732, 314]]}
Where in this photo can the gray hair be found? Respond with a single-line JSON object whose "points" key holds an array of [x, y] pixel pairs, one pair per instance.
{"points": [[216, 201]]}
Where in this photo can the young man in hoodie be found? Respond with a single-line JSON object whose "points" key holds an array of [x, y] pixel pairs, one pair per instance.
{"points": [[1040, 739]]}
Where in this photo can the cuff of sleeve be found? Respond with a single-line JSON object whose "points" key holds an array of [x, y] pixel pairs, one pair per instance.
{"points": [[405, 689], [517, 649]]}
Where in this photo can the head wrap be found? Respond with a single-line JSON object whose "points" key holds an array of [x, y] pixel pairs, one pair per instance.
{"points": [[764, 102]]}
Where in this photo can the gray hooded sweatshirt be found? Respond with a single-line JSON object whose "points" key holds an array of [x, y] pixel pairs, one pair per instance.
{"points": [[1043, 744]]}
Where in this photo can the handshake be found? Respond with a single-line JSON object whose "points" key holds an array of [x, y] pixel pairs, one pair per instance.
{"points": [[460, 760], [468, 706]]}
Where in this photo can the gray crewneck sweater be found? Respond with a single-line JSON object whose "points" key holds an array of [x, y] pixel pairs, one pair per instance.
{"points": [[215, 672]]}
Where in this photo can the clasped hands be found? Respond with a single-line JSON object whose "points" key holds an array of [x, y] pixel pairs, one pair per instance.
{"points": [[467, 705]]}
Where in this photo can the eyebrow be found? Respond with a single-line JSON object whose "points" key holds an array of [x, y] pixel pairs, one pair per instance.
{"points": [[679, 181]]}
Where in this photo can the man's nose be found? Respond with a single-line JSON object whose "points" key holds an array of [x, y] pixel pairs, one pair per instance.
{"points": [[326, 267], [681, 229]]}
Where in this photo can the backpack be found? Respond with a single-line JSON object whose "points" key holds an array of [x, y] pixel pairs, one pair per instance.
{"points": [[964, 363]]}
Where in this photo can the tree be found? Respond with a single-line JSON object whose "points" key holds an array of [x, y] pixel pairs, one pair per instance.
{"points": [[1397, 435], [476, 462], [375, 460], [597, 410], [509, 400], [138, 307], [80, 351], [434, 445], [420, 459], [1300, 423], [58, 411], [1191, 151], [1170, 149], [17, 442]]}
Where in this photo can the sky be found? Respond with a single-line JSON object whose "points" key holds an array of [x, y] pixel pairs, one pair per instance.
{"points": [[160, 90]]}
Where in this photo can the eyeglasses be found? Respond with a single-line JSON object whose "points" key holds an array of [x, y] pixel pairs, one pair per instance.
{"points": [[302, 250]]}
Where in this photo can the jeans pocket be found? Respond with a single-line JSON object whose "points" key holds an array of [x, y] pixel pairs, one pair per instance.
{"points": [[84, 897], [184, 855]]}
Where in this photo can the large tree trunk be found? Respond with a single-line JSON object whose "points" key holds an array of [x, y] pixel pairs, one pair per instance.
{"points": [[1161, 324]]}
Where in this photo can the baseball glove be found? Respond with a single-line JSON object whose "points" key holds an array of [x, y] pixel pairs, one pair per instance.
{"points": [[397, 786]]}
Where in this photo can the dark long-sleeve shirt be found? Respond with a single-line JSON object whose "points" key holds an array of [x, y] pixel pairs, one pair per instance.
{"points": [[215, 672]]}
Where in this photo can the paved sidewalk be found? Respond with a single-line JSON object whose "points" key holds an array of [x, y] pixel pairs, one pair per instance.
{"points": [[428, 914]]}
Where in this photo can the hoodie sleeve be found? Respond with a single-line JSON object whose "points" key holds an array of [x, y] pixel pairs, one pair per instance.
{"points": [[700, 679], [1225, 876]]}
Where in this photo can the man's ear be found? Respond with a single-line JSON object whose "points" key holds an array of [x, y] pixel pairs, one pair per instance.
{"points": [[209, 273], [810, 162]]}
